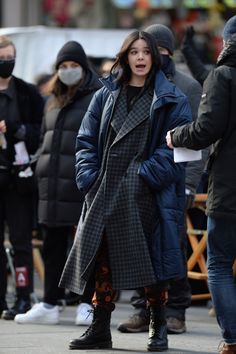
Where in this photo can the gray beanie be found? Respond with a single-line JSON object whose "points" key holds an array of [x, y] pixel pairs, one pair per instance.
{"points": [[163, 35], [229, 29], [72, 51]]}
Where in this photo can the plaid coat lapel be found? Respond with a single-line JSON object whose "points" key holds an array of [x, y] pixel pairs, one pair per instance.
{"points": [[136, 116]]}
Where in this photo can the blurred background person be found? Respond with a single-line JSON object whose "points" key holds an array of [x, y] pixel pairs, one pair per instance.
{"points": [[21, 110], [60, 202], [105, 67], [198, 69], [42, 82]]}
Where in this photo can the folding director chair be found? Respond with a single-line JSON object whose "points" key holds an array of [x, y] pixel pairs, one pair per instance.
{"points": [[198, 241]]}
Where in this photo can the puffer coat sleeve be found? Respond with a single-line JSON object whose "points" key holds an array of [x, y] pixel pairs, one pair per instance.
{"points": [[87, 153], [160, 170]]}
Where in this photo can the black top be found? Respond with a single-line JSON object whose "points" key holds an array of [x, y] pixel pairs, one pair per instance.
{"points": [[133, 92]]}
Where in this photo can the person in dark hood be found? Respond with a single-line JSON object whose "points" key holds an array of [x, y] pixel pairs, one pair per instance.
{"points": [[216, 124], [60, 202]]}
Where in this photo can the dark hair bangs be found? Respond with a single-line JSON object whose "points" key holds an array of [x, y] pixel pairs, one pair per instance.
{"points": [[121, 62]]}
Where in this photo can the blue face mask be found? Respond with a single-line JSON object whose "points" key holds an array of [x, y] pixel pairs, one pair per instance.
{"points": [[6, 68]]}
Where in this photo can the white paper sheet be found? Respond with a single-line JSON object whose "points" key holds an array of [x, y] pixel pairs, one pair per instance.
{"points": [[21, 156], [185, 155]]}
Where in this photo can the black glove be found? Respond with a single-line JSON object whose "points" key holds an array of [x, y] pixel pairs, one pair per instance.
{"points": [[16, 129], [188, 37]]}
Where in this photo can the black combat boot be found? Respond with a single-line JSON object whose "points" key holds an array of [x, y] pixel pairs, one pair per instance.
{"points": [[98, 335], [3, 306], [157, 341]]}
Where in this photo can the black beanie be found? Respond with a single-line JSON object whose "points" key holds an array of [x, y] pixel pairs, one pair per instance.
{"points": [[229, 28], [72, 51], [163, 35]]}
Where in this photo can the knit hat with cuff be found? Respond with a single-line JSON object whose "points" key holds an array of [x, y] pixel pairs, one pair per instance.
{"points": [[72, 51]]}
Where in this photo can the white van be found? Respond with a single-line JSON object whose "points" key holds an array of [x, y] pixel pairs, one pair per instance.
{"points": [[38, 46]]}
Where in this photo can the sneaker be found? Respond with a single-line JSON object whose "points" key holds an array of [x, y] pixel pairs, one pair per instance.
{"points": [[175, 326], [84, 314], [39, 314], [134, 324]]}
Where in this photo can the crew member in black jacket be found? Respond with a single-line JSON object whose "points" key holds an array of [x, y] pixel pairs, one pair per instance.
{"points": [[216, 124], [21, 110]]}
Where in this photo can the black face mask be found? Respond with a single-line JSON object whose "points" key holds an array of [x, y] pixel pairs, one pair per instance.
{"points": [[6, 68], [165, 60], [167, 66]]}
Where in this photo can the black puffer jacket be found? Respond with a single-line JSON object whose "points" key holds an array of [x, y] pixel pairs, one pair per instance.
{"points": [[216, 123], [60, 202]]}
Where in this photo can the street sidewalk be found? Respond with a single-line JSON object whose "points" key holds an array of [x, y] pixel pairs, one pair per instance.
{"points": [[203, 335]]}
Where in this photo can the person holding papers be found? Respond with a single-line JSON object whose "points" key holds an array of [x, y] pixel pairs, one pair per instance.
{"points": [[216, 124]]}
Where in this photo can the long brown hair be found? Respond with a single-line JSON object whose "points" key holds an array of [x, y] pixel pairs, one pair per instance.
{"points": [[121, 65]]}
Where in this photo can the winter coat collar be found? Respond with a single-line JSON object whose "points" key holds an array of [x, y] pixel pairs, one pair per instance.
{"points": [[164, 90]]}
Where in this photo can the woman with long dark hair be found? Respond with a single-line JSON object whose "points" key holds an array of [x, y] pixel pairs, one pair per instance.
{"points": [[128, 234], [60, 202]]}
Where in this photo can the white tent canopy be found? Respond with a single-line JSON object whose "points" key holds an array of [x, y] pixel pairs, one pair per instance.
{"points": [[38, 46]]}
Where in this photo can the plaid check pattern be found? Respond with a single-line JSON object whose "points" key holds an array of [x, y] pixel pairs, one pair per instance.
{"points": [[119, 202]]}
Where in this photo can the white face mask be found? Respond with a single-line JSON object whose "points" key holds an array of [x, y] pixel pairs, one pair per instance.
{"points": [[70, 76]]}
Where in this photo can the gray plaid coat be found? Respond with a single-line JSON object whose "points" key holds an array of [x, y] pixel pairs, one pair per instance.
{"points": [[117, 198]]}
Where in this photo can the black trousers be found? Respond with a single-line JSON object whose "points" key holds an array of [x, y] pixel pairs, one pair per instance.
{"points": [[16, 213], [179, 299], [56, 244]]}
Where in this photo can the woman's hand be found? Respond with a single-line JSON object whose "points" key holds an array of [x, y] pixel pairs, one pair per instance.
{"points": [[169, 140]]}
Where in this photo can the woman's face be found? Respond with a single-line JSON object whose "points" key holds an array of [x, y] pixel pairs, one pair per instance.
{"points": [[140, 62]]}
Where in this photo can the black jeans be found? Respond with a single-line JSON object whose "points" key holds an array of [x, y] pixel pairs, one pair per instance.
{"points": [[56, 244], [16, 212]]}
